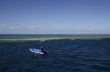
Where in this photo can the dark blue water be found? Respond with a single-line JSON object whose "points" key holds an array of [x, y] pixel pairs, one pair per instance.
{"points": [[63, 56]]}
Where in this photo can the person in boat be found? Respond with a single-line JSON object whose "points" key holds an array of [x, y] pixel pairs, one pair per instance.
{"points": [[44, 51]]}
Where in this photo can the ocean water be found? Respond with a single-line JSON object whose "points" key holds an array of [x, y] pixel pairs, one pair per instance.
{"points": [[64, 55]]}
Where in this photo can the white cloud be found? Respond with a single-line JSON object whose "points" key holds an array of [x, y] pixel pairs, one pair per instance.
{"points": [[33, 27], [2, 25], [12, 27]]}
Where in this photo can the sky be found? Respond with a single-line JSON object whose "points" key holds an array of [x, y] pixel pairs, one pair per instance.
{"points": [[54, 16]]}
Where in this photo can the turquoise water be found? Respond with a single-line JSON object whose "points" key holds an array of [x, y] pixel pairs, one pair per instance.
{"points": [[63, 56], [54, 34], [43, 37]]}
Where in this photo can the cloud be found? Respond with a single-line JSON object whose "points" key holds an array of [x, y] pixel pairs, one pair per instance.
{"points": [[2, 25], [12, 27], [34, 27], [51, 28]]}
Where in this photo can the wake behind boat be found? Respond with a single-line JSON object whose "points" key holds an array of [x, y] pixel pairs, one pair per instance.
{"points": [[38, 51]]}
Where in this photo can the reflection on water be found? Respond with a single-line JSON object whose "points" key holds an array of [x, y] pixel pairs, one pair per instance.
{"points": [[64, 56]]}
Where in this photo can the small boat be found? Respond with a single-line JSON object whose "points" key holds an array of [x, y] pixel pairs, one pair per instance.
{"points": [[38, 51]]}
